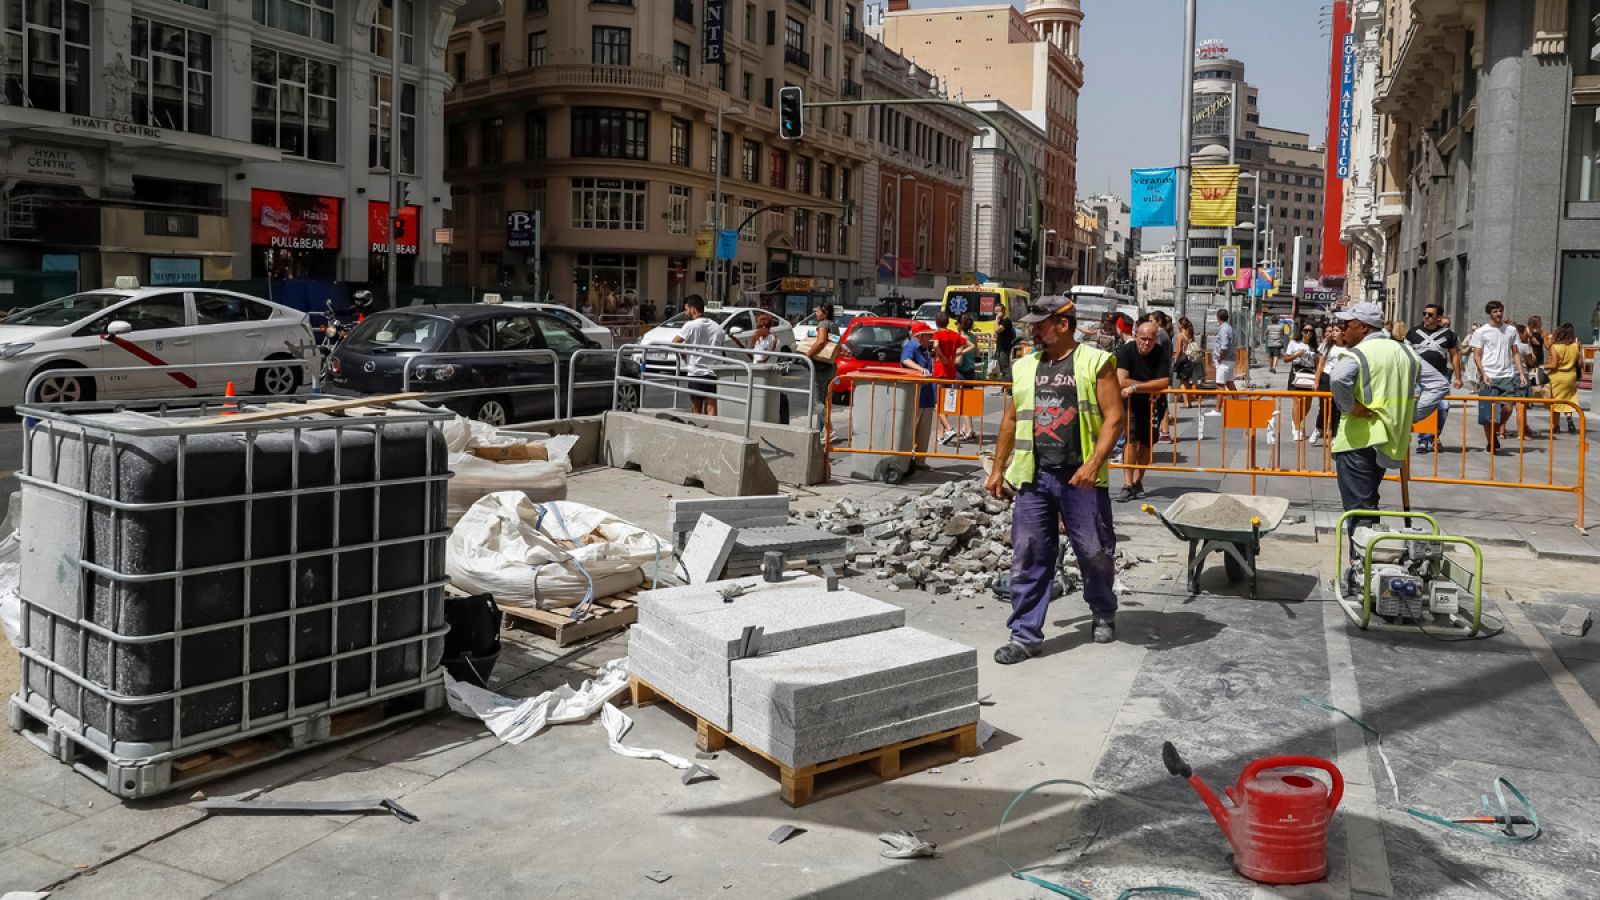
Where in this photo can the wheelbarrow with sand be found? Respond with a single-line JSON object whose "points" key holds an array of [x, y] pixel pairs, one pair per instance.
{"points": [[1230, 524]]}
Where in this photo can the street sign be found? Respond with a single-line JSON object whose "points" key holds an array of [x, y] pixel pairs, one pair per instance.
{"points": [[1227, 264], [727, 243], [521, 231]]}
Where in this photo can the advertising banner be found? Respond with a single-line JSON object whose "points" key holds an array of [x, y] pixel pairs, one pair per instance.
{"points": [[293, 221], [1347, 102], [713, 31], [1214, 197], [378, 229], [1155, 198]]}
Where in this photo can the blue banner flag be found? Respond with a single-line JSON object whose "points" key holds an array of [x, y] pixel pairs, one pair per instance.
{"points": [[1155, 198]]}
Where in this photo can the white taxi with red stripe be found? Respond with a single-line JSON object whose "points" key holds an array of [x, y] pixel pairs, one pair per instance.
{"points": [[155, 328]]}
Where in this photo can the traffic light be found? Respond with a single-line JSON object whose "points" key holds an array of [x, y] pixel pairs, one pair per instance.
{"points": [[1022, 249], [791, 118]]}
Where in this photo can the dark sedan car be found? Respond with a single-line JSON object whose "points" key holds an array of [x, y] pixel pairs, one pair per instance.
{"points": [[464, 353]]}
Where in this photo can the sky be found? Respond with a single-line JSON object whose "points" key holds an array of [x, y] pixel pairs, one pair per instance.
{"points": [[1128, 113]]}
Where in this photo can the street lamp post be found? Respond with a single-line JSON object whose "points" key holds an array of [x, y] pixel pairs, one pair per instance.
{"points": [[1185, 162], [976, 210], [716, 202], [899, 230], [1044, 253]]}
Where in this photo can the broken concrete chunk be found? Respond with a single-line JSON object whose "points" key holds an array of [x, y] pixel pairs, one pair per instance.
{"points": [[1576, 621]]}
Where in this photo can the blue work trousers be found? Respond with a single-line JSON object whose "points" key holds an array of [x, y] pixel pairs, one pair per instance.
{"points": [[1042, 506]]}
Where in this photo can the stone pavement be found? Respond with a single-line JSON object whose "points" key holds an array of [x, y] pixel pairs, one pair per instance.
{"points": [[1221, 676]]}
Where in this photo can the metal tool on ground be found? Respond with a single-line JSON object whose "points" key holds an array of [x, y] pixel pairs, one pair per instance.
{"points": [[1278, 824], [1407, 580], [308, 807], [1230, 524]]}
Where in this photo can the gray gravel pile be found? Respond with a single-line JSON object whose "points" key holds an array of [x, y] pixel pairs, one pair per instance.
{"points": [[955, 540]]}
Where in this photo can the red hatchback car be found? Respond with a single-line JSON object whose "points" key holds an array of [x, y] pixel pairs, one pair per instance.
{"points": [[870, 344]]}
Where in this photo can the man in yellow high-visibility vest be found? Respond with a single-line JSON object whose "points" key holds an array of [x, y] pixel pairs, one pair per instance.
{"points": [[1382, 388], [1061, 424]]}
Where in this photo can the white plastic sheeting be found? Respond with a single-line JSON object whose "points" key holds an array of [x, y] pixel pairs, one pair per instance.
{"points": [[473, 478], [10, 599], [514, 721], [617, 724], [544, 555]]}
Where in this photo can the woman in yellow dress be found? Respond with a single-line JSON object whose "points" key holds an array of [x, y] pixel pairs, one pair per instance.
{"points": [[1564, 363]]}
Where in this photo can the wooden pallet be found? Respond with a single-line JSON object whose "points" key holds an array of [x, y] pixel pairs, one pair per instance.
{"points": [[606, 615], [797, 785]]}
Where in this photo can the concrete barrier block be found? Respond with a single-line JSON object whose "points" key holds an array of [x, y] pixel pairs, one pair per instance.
{"points": [[725, 464]]}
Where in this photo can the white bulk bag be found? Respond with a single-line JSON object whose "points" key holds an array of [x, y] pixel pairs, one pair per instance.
{"points": [[507, 545]]}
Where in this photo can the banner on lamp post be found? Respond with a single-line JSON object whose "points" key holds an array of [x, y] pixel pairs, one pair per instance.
{"points": [[1214, 197], [1155, 198]]}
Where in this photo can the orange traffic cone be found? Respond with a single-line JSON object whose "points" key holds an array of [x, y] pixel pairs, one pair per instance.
{"points": [[230, 408]]}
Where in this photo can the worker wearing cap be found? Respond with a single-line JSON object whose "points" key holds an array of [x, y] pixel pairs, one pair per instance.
{"points": [[1376, 387], [1060, 426]]}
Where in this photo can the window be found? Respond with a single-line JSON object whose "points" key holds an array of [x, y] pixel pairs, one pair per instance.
{"points": [[456, 146], [294, 104], [382, 30], [538, 6], [794, 35], [844, 186], [610, 133], [722, 157], [516, 333], [747, 84], [825, 180], [750, 161], [458, 66], [677, 210], [226, 309], [747, 219], [612, 46], [680, 57], [680, 142], [827, 61], [750, 22], [778, 169], [378, 124], [492, 141], [47, 55], [492, 208], [311, 18], [802, 174], [772, 28], [847, 123], [535, 134], [160, 311], [802, 230], [171, 77], [825, 233], [1583, 159], [538, 44], [560, 337], [492, 54], [609, 204], [766, 94]]}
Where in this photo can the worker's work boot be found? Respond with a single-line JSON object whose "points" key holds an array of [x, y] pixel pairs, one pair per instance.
{"points": [[1013, 653], [1105, 630]]}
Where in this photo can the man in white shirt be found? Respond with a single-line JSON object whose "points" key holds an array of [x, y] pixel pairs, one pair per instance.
{"points": [[701, 331], [1494, 350], [1226, 353]]}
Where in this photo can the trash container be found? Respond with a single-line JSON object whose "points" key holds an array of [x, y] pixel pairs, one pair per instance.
{"points": [[731, 390], [884, 415]]}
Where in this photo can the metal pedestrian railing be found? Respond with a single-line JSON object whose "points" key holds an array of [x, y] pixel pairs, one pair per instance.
{"points": [[439, 370], [676, 379]]}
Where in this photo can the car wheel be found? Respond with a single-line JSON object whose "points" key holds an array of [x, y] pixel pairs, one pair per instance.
{"points": [[64, 388], [494, 411], [627, 398], [277, 381]]}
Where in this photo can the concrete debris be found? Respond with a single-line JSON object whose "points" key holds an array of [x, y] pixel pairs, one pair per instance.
{"points": [[905, 845], [784, 832], [1576, 622], [658, 876]]}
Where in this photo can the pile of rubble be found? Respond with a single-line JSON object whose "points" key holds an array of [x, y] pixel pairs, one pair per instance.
{"points": [[954, 540]]}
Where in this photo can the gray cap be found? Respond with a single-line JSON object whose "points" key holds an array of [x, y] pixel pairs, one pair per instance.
{"points": [[1366, 313]]}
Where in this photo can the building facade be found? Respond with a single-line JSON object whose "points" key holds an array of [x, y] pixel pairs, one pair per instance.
{"points": [[1027, 59], [914, 212], [182, 142], [999, 193], [1492, 149], [1121, 247], [603, 118], [1157, 273]]}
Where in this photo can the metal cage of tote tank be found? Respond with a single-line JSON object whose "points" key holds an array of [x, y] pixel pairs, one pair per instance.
{"points": [[201, 593]]}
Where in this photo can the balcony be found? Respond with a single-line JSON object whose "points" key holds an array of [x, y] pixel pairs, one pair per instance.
{"points": [[577, 77], [852, 89], [794, 56], [683, 11], [805, 3], [1391, 208], [855, 35]]}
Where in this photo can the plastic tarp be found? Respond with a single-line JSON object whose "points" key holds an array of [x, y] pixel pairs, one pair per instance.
{"points": [[473, 478], [543, 555], [10, 598], [515, 720], [617, 723]]}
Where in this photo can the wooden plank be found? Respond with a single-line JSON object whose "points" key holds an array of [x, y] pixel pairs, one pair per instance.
{"points": [[287, 410], [607, 614]]}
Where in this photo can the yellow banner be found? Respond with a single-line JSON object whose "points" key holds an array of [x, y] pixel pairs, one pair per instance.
{"points": [[1214, 197], [705, 242]]}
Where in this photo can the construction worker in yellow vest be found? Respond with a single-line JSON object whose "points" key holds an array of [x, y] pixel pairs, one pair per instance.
{"points": [[1382, 388], [1061, 423]]}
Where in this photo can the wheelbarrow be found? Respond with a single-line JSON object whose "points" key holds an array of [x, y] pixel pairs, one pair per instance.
{"points": [[1207, 522]]}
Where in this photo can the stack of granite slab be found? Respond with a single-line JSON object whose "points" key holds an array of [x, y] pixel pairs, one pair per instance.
{"points": [[802, 546], [798, 672]]}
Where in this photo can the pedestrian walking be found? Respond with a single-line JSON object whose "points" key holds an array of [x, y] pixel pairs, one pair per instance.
{"points": [[916, 357], [1501, 371], [1333, 351], [1538, 377], [966, 370], [1005, 347], [1439, 347], [1272, 338], [1376, 389], [948, 346], [1186, 355], [1144, 370], [701, 331], [1302, 356], [1060, 424], [1224, 354], [1564, 364], [823, 349]]}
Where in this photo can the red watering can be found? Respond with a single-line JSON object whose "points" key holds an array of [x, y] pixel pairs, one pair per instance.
{"points": [[1278, 824]]}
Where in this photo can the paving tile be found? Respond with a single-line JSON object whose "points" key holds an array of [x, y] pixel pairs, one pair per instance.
{"points": [[116, 829], [133, 876], [25, 819], [24, 871]]}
